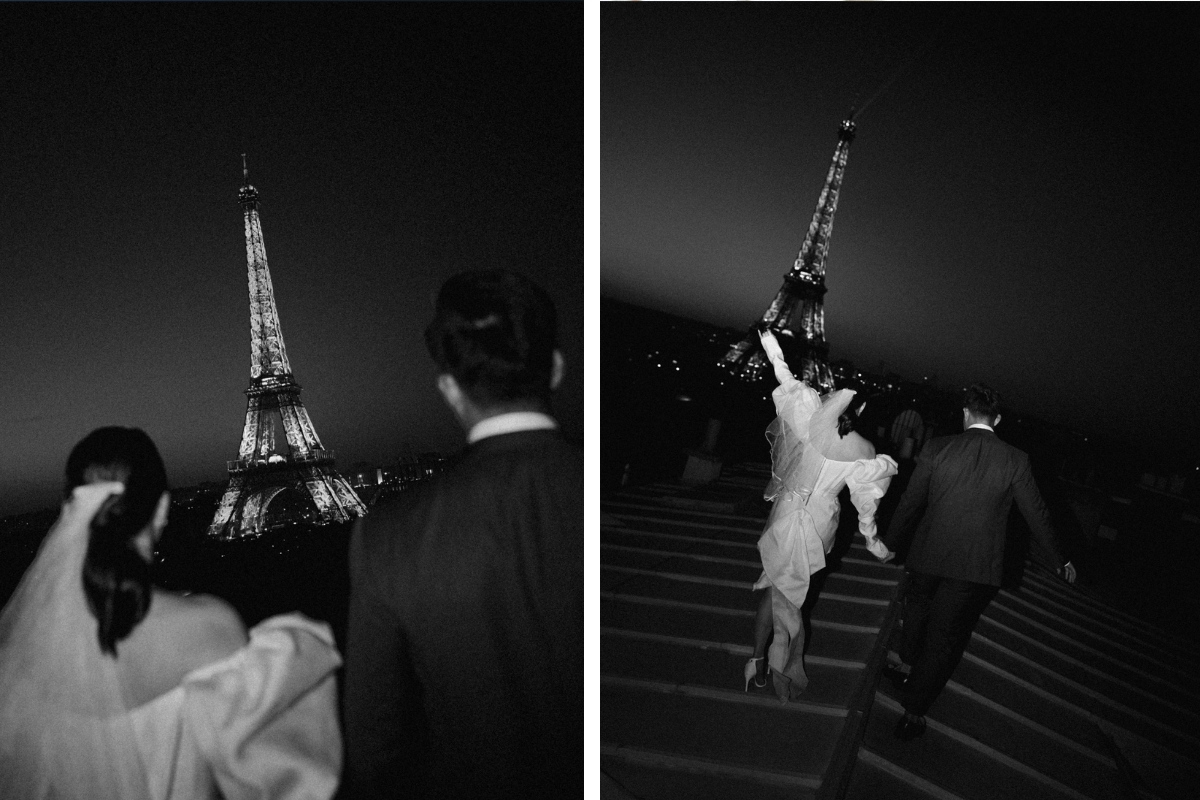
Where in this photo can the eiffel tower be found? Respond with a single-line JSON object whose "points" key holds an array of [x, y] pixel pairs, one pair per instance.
{"points": [[315, 491], [797, 314]]}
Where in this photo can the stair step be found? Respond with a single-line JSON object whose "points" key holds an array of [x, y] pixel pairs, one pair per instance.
{"points": [[1113, 680], [1145, 636], [698, 622], [1165, 725], [650, 775], [680, 540], [876, 778], [828, 605], [728, 727], [723, 568], [739, 551], [1100, 650], [654, 519], [1089, 772], [959, 763], [831, 682], [1029, 701]]}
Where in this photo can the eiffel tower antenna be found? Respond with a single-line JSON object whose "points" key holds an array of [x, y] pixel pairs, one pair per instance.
{"points": [[797, 314], [312, 490]]}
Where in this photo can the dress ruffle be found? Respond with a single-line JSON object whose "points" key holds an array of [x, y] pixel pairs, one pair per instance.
{"points": [[265, 717]]}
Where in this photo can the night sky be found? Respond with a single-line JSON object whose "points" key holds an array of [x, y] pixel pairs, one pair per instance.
{"points": [[1019, 206], [392, 146]]}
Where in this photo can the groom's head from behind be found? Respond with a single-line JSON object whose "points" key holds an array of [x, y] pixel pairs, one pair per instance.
{"points": [[981, 404], [494, 340]]}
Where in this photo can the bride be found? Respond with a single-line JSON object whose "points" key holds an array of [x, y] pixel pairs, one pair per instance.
{"points": [[814, 453], [111, 687]]}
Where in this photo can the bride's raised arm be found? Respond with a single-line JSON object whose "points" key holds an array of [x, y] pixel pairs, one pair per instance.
{"points": [[775, 353]]}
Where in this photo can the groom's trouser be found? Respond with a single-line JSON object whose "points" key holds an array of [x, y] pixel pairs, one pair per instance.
{"points": [[939, 615]]}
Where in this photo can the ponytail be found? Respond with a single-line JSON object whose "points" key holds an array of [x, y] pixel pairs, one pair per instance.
{"points": [[116, 578]]}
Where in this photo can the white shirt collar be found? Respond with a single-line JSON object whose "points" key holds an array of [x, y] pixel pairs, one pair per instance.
{"points": [[512, 422], [983, 425]]}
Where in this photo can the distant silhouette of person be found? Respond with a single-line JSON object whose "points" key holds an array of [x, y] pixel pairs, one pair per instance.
{"points": [[814, 453], [464, 663], [907, 425], [113, 688], [958, 501]]}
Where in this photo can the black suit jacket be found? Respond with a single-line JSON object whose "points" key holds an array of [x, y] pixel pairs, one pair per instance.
{"points": [[464, 656], [965, 485]]}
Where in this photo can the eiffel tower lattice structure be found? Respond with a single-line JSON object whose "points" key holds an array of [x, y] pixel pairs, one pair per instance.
{"points": [[262, 470], [797, 315]]}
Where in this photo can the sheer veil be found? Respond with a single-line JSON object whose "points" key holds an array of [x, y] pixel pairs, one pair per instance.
{"points": [[64, 730], [799, 427]]}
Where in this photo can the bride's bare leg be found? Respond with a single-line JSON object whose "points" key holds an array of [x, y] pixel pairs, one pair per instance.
{"points": [[787, 651], [762, 633]]}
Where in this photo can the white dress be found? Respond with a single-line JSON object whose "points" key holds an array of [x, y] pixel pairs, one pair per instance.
{"points": [[800, 531], [260, 723], [810, 463]]}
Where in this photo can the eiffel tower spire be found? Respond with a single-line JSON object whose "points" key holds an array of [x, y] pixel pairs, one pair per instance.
{"points": [[797, 314], [262, 472]]}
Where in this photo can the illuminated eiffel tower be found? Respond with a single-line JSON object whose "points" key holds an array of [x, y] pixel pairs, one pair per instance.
{"points": [[797, 315], [315, 492]]}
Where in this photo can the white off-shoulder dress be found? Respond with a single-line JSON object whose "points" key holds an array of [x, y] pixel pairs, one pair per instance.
{"points": [[260, 723], [807, 476]]}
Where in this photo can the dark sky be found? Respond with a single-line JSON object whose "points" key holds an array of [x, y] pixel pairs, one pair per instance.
{"points": [[1019, 206], [392, 146]]}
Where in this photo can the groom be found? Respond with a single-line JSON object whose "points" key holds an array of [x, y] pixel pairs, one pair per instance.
{"points": [[464, 661], [965, 486]]}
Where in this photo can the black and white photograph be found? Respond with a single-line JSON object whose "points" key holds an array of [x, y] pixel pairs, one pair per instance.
{"points": [[898, 375], [291, 400]]}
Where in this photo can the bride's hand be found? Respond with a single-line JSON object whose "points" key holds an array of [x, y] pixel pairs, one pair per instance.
{"points": [[769, 343], [87, 498]]}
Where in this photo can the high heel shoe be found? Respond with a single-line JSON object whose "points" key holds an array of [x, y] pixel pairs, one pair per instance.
{"points": [[751, 671]]}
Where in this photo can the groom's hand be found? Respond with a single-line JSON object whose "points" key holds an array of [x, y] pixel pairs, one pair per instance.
{"points": [[1067, 572]]}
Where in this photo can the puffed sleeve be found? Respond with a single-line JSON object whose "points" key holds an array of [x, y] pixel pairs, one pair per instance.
{"points": [[266, 717], [868, 483], [795, 401]]}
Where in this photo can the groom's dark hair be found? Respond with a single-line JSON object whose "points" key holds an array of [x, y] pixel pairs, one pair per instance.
{"points": [[495, 331], [982, 401]]}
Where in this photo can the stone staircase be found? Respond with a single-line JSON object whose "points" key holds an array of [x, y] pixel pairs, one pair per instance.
{"points": [[1057, 696]]}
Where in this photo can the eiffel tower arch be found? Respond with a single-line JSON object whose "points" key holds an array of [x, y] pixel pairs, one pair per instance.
{"points": [[271, 462]]}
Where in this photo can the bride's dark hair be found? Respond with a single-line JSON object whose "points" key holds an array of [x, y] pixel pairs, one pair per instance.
{"points": [[116, 579], [848, 420]]}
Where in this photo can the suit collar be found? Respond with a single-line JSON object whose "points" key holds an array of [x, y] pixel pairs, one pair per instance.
{"points": [[511, 441], [512, 422]]}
